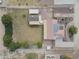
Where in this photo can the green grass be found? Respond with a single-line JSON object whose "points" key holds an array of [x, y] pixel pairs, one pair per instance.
{"points": [[21, 29], [32, 56]]}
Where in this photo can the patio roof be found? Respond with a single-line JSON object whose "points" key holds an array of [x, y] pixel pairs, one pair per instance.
{"points": [[33, 11]]}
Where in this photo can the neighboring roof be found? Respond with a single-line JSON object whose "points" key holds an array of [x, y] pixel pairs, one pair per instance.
{"points": [[63, 5], [64, 8], [33, 18], [33, 11], [64, 1]]}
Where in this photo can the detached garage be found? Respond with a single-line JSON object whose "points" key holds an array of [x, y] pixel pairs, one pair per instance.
{"points": [[34, 17]]}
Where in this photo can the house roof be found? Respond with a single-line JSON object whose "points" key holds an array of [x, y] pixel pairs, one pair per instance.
{"points": [[33, 11], [52, 30], [64, 1]]}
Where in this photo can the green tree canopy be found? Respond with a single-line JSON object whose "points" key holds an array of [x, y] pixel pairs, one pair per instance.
{"points": [[6, 19], [72, 30]]}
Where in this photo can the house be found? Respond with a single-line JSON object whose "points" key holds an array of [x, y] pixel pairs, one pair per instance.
{"points": [[54, 32], [34, 17]]}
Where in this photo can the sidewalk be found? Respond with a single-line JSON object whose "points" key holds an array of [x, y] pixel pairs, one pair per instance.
{"points": [[76, 22]]}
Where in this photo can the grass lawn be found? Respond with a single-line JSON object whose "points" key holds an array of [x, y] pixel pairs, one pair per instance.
{"points": [[32, 56], [22, 31]]}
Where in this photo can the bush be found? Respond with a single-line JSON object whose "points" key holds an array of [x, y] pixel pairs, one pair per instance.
{"points": [[6, 19], [39, 44], [24, 44], [13, 46], [9, 30], [7, 40], [24, 15], [72, 30]]}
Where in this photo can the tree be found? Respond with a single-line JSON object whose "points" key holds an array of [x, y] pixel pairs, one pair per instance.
{"points": [[72, 30], [6, 19]]}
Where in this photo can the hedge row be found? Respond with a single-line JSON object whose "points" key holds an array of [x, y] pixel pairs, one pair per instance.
{"points": [[7, 39]]}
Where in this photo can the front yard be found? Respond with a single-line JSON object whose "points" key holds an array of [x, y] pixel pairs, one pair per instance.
{"points": [[22, 31]]}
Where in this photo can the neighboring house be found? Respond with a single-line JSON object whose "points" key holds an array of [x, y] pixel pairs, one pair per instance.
{"points": [[64, 11]]}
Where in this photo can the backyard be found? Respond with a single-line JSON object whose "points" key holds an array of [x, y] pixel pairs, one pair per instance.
{"points": [[22, 31]]}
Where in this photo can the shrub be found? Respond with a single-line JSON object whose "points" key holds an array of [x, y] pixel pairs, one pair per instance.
{"points": [[7, 40], [72, 30], [13, 46], [39, 44], [24, 15], [6, 19], [9, 30], [24, 44]]}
